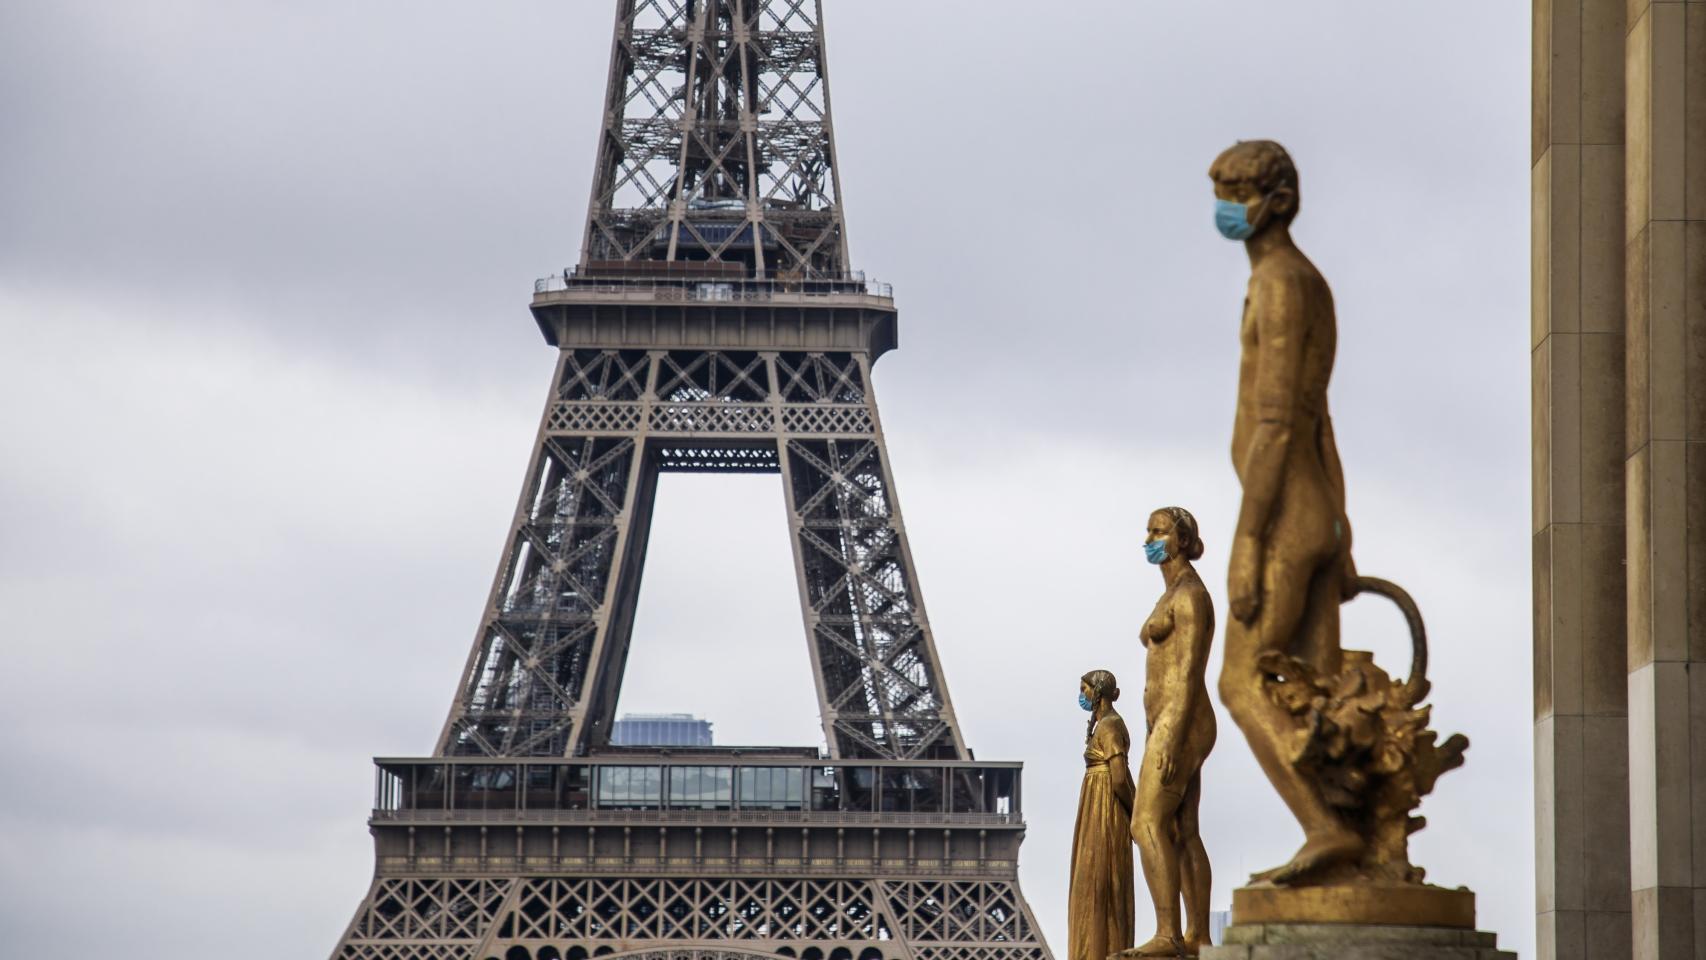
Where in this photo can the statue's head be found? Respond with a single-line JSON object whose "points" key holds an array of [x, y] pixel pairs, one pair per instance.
{"points": [[1258, 175], [1099, 686], [1172, 533]]}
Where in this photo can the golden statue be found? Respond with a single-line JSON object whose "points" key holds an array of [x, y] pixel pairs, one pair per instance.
{"points": [[1181, 729], [1344, 745], [1099, 904]]}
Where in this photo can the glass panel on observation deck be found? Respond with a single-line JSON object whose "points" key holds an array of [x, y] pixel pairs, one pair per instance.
{"points": [[630, 788], [826, 789], [484, 787], [772, 788], [912, 789], [858, 788], [701, 788]]}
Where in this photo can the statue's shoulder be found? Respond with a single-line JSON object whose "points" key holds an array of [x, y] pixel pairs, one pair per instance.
{"points": [[1287, 268], [1288, 294], [1112, 730], [1193, 593]]}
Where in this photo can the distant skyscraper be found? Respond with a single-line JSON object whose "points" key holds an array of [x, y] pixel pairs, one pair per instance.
{"points": [[1218, 921], [660, 730]]}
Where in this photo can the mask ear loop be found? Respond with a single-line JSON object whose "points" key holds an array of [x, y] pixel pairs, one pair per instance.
{"points": [[1264, 204], [1178, 541], [1256, 225], [1173, 533]]}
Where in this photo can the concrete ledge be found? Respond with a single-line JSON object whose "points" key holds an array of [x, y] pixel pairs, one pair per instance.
{"points": [[1354, 941], [1276, 933]]}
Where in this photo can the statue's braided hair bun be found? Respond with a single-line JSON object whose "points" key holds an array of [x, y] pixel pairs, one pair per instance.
{"points": [[1189, 541]]}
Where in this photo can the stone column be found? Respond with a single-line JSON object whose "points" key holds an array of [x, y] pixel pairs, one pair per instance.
{"points": [[1665, 473], [1581, 734]]}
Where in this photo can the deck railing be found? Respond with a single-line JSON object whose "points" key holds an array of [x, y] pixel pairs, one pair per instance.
{"points": [[713, 289], [779, 789]]}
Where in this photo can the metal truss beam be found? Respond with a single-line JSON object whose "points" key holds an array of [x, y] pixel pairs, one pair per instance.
{"points": [[702, 918], [717, 142], [547, 663]]}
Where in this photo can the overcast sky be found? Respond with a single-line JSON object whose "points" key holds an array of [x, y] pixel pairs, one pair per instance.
{"points": [[268, 384]]}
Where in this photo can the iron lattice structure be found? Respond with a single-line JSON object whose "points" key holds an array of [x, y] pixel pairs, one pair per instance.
{"points": [[543, 676], [717, 130], [712, 325]]}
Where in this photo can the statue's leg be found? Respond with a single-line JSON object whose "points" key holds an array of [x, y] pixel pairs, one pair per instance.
{"points": [[1153, 815], [1269, 727], [1317, 642], [1195, 878]]}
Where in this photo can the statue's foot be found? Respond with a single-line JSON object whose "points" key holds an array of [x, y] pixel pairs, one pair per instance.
{"points": [[1326, 849], [1158, 946], [1193, 943]]}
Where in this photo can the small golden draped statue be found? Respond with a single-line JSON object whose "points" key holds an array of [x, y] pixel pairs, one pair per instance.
{"points": [[1346, 746], [1181, 732], [1100, 904]]}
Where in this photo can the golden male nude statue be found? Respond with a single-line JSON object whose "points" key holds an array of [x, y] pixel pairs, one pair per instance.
{"points": [[1346, 745], [1291, 561]]}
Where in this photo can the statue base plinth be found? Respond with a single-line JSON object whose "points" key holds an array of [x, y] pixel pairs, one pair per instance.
{"points": [[1405, 904], [1354, 941], [1354, 922]]}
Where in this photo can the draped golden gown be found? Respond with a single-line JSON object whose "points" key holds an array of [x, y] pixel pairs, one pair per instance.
{"points": [[1100, 905]]}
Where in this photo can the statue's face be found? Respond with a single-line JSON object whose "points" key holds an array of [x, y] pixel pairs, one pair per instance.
{"points": [[1160, 527], [1084, 688], [1260, 207]]}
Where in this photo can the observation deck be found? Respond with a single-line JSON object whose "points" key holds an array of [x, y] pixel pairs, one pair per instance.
{"points": [[730, 812], [704, 305]]}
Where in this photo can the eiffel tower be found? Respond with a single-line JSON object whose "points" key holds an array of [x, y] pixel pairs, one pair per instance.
{"points": [[713, 324]]}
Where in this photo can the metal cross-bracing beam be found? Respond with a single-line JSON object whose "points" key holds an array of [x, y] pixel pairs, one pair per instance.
{"points": [[525, 688], [717, 143], [703, 917], [546, 668], [871, 645], [526, 685]]}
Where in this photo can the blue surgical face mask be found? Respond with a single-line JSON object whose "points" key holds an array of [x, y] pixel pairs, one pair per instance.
{"points": [[1085, 701], [1155, 551], [1233, 219]]}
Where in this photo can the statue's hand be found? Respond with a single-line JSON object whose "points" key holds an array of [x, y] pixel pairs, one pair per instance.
{"points": [[1244, 577], [1164, 745], [1348, 586], [1167, 765]]}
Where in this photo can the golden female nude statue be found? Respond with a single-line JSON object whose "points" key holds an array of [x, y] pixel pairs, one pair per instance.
{"points": [[1181, 733], [1100, 904], [1342, 743]]}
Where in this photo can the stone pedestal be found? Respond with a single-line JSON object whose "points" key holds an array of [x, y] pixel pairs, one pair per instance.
{"points": [[1379, 904], [1354, 941], [1361, 921]]}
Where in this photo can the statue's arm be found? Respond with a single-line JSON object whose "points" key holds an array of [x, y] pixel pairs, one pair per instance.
{"points": [[1115, 744], [1124, 788], [1279, 366], [1336, 479], [1278, 308]]}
